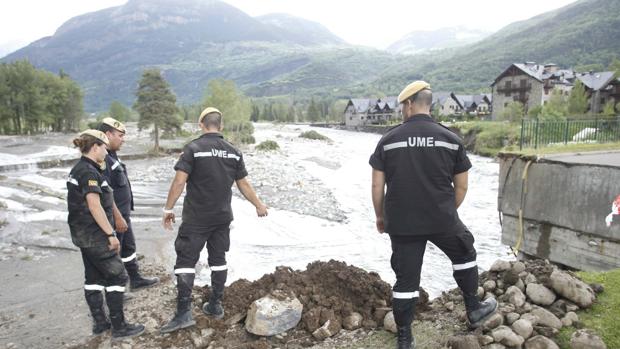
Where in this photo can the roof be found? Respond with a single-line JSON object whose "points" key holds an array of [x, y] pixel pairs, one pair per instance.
{"points": [[596, 80], [539, 72], [361, 105], [440, 97]]}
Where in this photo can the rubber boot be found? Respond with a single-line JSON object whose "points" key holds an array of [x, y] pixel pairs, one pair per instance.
{"points": [[214, 306], [183, 316], [120, 328], [478, 312], [137, 281], [405, 340], [94, 299]]}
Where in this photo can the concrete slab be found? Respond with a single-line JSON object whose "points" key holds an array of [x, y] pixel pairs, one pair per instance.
{"points": [[594, 158]]}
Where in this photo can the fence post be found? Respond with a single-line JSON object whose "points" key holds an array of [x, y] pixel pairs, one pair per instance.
{"points": [[566, 133], [522, 130], [536, 136], [596, 129]]}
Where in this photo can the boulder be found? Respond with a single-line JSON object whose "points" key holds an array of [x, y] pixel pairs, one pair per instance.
{"points": [[533, 319], [518, 267], [520, 285], [540, 342], [495, 346], [507, 337], [389, 324], [512, 317], [585, 339], [510, 277], [500, 265], [530, 278], [489, 285], [273, 314], [494, 321], [548, 332], [523, 328], [569, 319], [515, 296], [353, 321], [480, 292], [485, 340], [539, 294], [546, 318], [572, 288]]}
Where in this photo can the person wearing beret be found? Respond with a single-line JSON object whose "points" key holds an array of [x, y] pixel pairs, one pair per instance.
{"points": [[209, 165], [90, 204], [419, 179], [115, 173]]}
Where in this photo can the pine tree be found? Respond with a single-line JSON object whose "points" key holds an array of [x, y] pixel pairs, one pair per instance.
{"points": [[156, 104], [578, 100]]}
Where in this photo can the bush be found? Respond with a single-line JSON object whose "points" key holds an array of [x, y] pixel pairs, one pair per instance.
{"points": [[314, 135], [268, 145]]}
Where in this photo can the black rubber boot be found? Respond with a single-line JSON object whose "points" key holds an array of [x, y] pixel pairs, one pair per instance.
{"points": [[405, 340], [137, 281], [183, 316], [120, 328], [478, 312], [214, 306], [94, 299]]}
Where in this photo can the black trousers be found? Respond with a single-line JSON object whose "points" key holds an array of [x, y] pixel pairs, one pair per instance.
{"points": [[128, 249], [192, 239], [103, 270], [407, 258]]}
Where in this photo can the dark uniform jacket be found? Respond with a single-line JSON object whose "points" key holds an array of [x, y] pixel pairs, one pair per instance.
{"points": [[115, 173], [213, 165], [419, 159], [86, 177]]}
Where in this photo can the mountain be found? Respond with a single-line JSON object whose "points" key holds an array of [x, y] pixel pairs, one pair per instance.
{"points": [[584, 32], [190, 40], [423, 41], [303, 31]]}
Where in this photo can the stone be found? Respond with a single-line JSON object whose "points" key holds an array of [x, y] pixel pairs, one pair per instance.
{"points": [[533, 319], [485, 340], [273, 314], [353, 321], [312, 319], [520, 285], [548, 332], [495, 346], [572, 288], [523, 328], [527, 307], [512, 317], [380, 312], [539, 294], [480, 292], [506, 308], [235, 319], [463, 342], [449, 306], [518, 267], [546, 318], [500, 284], [515, 296], [500, 265], [510, 277], [198, 341], [530, 278], [489, 285], [540, 342], [585, 339], [330, 328], [570, 318], [494, 321], [597, 288], [389, 324], [507, 337]]}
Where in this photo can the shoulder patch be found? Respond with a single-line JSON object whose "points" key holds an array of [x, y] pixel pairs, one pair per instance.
{"points": [[93, 183]]}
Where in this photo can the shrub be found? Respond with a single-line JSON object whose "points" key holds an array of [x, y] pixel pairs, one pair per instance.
{"points": [[313, 135], [268, 145]]}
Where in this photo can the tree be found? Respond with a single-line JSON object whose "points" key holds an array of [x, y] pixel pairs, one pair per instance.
{"points": [[610, 108], [156, 104], [578, 99], [513, 112], [236, 109], [314, 113], [119, 111], [615, 67], [555, 107]]}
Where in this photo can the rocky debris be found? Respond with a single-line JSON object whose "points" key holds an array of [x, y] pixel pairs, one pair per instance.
{"points": [[585, 339], [389, 324], [539, 294], [540, 342], [505, 336], [523, 328], [572, 288], [463, 342], [353, 321], [273, 314]]}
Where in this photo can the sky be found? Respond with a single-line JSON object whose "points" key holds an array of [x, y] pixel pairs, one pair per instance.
{"points": [[369, 23]]}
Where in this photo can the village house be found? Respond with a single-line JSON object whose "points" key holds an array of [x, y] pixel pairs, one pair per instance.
{"points": [[532, 84], [449, 103], [370, 111]]}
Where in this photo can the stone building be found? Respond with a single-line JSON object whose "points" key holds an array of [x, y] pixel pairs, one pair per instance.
{"points": [[367, 111]]}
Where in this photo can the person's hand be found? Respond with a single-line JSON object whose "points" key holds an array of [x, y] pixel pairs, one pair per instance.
{"points": [[167, 221], [380, 225], [261, 210], [115, 245], [120, 225]]}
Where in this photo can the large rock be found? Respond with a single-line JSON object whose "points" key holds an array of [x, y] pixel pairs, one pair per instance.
{"points": [[463, 342], [494, 321], [572, 288], [500, 265], [533, 319], [540, 342], [584, 339], [512, 317], [539, 294], [523, 328], [273, 314], [389, 324], [507, 337], [515, 296], [489, 285], [546, 318], [518, 267]]}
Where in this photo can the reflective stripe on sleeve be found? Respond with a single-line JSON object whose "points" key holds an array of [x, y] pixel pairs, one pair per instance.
{"points": [[391, 146], [72, 181], [127, 259], [105, 184], [115, 165], [405, 295], [115, 289], [233, 156], [464, 265], [185, 271], [218, 267], [203, 154], [443, 144], [94, 287]]}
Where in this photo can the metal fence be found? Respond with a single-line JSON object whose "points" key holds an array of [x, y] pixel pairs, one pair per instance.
{"points": [[536, 133]]}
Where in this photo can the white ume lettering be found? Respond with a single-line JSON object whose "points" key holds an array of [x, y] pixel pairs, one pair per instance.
{"points": [[216, 153], [421, 141]]}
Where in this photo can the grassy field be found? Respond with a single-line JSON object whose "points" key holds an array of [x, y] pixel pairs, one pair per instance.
{"points": [[603, 316]]}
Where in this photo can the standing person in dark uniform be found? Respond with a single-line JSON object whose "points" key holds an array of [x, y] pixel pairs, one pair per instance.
{"points": [[91, 204], [425, 168], [115, 173], [209, 165]]}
